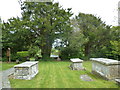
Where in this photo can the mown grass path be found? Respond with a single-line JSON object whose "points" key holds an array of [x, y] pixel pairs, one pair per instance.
{"points": [[56, 74], [6, 65]]}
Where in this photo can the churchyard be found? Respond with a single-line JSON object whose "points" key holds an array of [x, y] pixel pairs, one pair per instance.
{"points": [[50, 47], [58, 74]]}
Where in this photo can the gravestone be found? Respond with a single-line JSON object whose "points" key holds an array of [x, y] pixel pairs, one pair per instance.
{"points": [[58, 59], [86, 78], [26, 70], [107, 68], [76, 64]]}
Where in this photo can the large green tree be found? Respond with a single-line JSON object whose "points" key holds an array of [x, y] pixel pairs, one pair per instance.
{"points": [[15, 36], [40, 25], [114, 51], [92, 35]]}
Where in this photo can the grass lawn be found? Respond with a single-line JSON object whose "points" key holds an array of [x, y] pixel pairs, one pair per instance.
{"points": [[57, 75], [6, 65]]}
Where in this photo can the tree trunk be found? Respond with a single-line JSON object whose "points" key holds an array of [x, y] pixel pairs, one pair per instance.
{"points": [[46, 51], [46, 48], [87, 50]]}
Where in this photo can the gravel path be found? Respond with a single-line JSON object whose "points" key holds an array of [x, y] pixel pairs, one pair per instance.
{"points": [[4, 81]]}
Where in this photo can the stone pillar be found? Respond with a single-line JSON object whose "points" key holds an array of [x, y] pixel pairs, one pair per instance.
{"points": [[8, 54]]}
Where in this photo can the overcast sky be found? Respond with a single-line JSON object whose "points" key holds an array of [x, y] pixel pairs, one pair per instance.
{"points": [[107, 10]]}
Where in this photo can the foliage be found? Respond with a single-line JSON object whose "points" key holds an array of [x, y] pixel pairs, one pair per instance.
{"points": [[34, 51], [47, 21], [90, 36], [54, 51], [0, 36], [114, 48], [44, 23], [67, 53], [14, 37], [4, 59], [23, 53], [40, 25]]}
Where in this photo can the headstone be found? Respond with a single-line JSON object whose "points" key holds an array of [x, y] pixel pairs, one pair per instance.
{"points": [[108, 68], [58, 59], [86, 78], [26, 70], [76, 64]]}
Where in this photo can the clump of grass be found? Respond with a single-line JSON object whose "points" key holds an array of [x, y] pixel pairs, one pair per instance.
{"points": [[7, 65]]}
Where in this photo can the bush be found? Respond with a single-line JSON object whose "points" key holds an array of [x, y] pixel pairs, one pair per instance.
{"points": [[23, 55], [4, 59], [68, 53], [34, 51], [14, 57]]}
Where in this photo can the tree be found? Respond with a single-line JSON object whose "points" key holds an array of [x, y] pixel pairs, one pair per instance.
{"points": [[14, 36], [41, 24], [48, 21], [91, 34], [0, 37], [115, 43]]}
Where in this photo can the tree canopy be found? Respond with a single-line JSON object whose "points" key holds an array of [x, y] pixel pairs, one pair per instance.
{"points": [[40, 25], [43, 24]]}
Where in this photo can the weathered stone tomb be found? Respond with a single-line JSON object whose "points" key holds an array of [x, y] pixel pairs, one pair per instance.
{"points": [[108, 68], [76, 64], [26, 70]]}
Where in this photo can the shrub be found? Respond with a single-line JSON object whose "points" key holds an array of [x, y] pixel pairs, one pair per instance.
{"points": [[23, 55], [14, 57], [34, 51], [4, 59], [68, 53]]}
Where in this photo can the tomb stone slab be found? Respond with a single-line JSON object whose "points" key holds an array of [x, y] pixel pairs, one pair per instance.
{"points": [[76, 64], [86, 78], [118, 81], [26, 70], [107, 68]]}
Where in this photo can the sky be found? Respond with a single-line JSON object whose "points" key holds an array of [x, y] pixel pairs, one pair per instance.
{"points": [[107, 10]]}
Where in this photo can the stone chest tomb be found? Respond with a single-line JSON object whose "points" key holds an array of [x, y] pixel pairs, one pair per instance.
{"points": [[76, 64], [108, 68], [26, 70]]}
